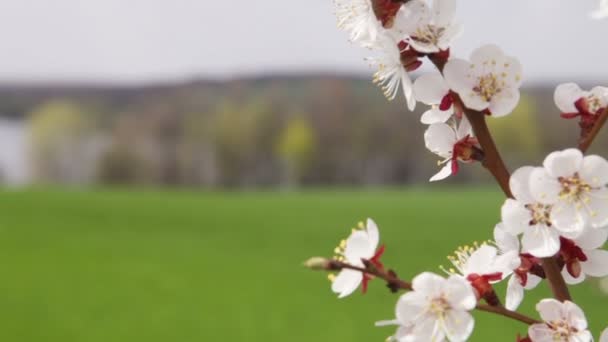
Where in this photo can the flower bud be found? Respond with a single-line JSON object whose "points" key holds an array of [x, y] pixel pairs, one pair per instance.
{"points": [[317, 264]]}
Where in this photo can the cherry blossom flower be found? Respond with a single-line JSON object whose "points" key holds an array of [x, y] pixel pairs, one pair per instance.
{"points": [[392, 74], [360, 245], [404, 330], [602, 11], [521, 278], [490, 82], [564, 322], [575, 187], [428, 30], [432, 90], [452, 144], [437, 308], [357, 17], [524, 214], [583, 257], [574, 102]]}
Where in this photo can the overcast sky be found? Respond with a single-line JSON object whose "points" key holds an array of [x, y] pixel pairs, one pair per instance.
{"points": [[152, 40]]}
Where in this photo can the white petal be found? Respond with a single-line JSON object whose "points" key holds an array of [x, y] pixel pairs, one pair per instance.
{"points": [[480, 261], [460, 293], [582, 336], [357, 247], [372, 233], [472, 100], [540, 333], [563, 163], [444, 173], [416, 14], [486, 53], [515, 293], [504, 103], [346, 282], [592, 238], [596, 264], [595, 171], [541, 241], [550, 310], [543, 187], [532, 282], [576, 316], [456, 73], [440, 139], [520, 184], [443, 11], [458, 325], [515, 216], [428, 283], [597, 208], [506, 263], [568, 219], [604, 336], [410, 306], [505, 240], [600, 93], [464, 129], [570, 280], [430, 88], [435, 115], [566, 95], [449, 35]]}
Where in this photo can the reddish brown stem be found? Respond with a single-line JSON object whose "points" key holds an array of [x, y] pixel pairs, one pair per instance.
{"points": [[404, 285], [585, 143]]}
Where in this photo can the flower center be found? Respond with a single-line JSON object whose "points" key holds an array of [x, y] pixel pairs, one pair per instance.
{"points": [[541, 214], [574, 189], [593, 103], [439, 306], [428, 34], [561, 330], [488, 86]]}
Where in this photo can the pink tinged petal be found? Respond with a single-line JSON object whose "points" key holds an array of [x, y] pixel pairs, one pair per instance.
{"points": [[582, 336], [444, 173], [403, 332], [443, 12], [440, 139], [540, 333], [372, 233], [520, 184], [596, 264], [576, 316], [595, 171], [346, 282], [592, 238], [515, 216], [569, 219], [515, 293], [570, 280], [533, 282], [543, 187], [505, 240], [458, 325], [357, 247], [566, 95], [460, 293], [428, 283], [564, 163], [541, 241], [457, 75], [430, 88], [504, 103], [550, 310], [433, 116]]}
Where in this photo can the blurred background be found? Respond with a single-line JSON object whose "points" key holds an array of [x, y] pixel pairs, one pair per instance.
{"points": [[168, 165]]}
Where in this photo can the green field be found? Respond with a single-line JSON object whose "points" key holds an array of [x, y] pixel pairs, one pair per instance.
{"points": [[151, 266]]}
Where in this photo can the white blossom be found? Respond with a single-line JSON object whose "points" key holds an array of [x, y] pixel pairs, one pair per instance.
{"points": [[563, 322], [391, 74], [490, 81], [452, 144], [602, 10], [604, 336], [357, 17], [361, 244], [437, 309], [571, 99], [428, 30], [583, 256], [525, 215], [575, 187], [520, 277], [431, 89]]}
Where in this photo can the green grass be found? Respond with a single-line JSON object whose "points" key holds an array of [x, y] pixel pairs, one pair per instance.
{"points": [[185, 266]]}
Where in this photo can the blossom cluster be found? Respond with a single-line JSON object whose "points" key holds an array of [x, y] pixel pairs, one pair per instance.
{"points": [[555, 216]]}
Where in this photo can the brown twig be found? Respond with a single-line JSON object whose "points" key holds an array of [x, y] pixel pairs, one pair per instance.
{"points": [[392, 279], [585, 143]]}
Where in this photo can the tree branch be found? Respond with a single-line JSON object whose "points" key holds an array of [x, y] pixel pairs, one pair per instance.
{"points": [[586, 142]]}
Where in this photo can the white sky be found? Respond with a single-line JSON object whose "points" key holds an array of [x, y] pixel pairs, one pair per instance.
{"points": [[152, 40]]}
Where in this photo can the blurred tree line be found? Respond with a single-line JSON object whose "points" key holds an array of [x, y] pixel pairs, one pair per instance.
{"points": [[285, 131]]}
